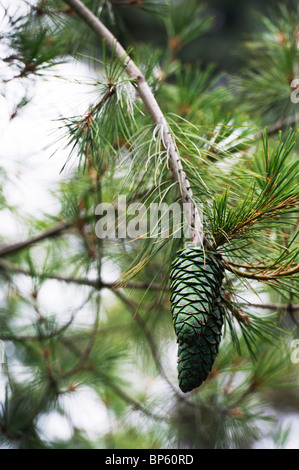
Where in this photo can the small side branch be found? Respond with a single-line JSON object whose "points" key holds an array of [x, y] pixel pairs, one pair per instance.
{"points": [[88, 118], [127, 398], [265, 276], [279, 125], [270, 306], [96, 284], [16, 247], [127, 3]]}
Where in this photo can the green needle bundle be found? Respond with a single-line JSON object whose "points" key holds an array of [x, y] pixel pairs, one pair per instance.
{"points": [[195, 281]]}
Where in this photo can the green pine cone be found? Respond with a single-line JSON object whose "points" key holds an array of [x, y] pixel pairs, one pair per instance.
{"points": [[195, 361], [195, 281]]}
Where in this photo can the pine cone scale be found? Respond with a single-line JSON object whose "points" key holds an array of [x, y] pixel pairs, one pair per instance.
{"points": [[195, 283]]}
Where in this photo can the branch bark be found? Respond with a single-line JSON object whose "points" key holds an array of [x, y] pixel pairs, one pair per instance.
{"points": [[262, 276], [270, 306], [16, 247], [96, 284], [279, 125], [151, 105], [136, 405]]}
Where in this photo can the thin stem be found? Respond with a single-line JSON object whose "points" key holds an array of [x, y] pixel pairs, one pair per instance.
{"points": [[96, 284], [85, 355], [279, 125], [38, 337], [77, 352], [126, 3], [16, 247], [86, 121], [261, 277], [270, 306]]}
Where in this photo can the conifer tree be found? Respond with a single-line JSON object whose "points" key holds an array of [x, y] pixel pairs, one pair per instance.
{"points": [[176, 352]]}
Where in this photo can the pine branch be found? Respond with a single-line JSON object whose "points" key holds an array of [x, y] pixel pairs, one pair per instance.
{"points": [[85, 355], [127, 3], [255, 266], [88, 118], [281, 124], [16, 247], [77, 352], [145, 93], [96, 284], [42, 11], [259, 276], [270, 306], [291, 311], [38, 337], [99, 284]]}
